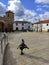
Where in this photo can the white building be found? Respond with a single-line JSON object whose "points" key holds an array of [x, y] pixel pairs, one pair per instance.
{"points": [[41, 26], [22, 25]]}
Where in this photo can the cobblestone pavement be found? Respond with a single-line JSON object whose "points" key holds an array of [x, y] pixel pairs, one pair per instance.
{"points": [[37, 54]]}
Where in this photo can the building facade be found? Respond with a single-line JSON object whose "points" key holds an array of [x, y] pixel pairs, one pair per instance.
{"points": [[41, 26], [22, 25], [6, 22]]}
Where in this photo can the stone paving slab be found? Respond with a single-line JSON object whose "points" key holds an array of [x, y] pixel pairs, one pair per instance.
{"points": [[38, 53]]}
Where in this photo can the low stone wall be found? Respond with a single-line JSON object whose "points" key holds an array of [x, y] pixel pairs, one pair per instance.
{"points": [[4, 55], [3, 46]]}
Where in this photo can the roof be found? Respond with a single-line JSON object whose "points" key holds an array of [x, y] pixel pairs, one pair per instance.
{"points": [[9, 11], [22, 22], [41, 22]]}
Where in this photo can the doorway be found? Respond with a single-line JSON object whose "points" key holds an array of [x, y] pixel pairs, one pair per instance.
{"points": [[1, 27]]}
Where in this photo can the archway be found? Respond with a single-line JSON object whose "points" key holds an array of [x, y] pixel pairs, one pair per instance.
{"points": [[2, 26]]}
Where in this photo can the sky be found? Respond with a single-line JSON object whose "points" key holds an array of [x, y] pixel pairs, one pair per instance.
{"points": [[27, 10]]}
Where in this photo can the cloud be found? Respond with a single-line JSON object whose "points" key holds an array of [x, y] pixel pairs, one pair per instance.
{"points": [[16, 7], [15, 1], [41, 6], [44, 16], [29, 12], [47, 6], [42, 1], [2, 9], [39, 9], [28, 16], [21, 13]]}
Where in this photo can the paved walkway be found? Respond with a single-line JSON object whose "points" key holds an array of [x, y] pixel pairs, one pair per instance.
{"points": [[38, 54]]}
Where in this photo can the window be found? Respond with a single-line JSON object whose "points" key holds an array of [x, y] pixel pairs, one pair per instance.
{"points": [[16, 28], [28, 26], [8, 14], [16, 24], [47, 24], [22, 24], [22, 28]]}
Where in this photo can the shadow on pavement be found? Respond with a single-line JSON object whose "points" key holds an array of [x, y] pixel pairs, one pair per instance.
{"points": [[37, 58], [8, 57]]}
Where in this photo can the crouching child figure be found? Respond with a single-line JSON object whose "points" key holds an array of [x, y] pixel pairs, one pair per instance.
{"points": [[22, 46]]}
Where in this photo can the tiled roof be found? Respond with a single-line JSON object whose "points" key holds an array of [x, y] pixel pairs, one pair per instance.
{"points": [[22, 22], [40, 22]]}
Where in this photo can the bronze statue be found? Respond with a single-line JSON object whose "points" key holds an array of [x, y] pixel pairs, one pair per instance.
{"points": [[22, 46]]}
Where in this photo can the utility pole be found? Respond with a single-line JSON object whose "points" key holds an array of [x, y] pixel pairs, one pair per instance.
{"points": [[37, 27], [40, 25]]}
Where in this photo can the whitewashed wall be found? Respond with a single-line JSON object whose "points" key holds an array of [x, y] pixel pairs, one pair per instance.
{"points": [[20, 26], [26, 26], [31, 27], [44, 27], [14, 26], [35, 27]]}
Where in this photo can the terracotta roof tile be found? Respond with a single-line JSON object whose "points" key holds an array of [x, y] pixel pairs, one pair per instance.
{"points": [[40, 22], [22, 22]]}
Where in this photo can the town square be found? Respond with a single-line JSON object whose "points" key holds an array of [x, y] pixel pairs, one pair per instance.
{"points": [[24, 32]]}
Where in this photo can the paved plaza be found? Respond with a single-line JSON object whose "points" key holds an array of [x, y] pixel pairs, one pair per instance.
{"points": [[37, 54]]}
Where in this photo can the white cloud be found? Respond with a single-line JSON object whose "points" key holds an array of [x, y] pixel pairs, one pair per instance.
{"points": [[28, 16], [39, 9], [3, 5], [44, 16], [42, 1], [15, 1], [29, 12], [2, 9], [16, 7], [45, 6], [20, 12]]}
